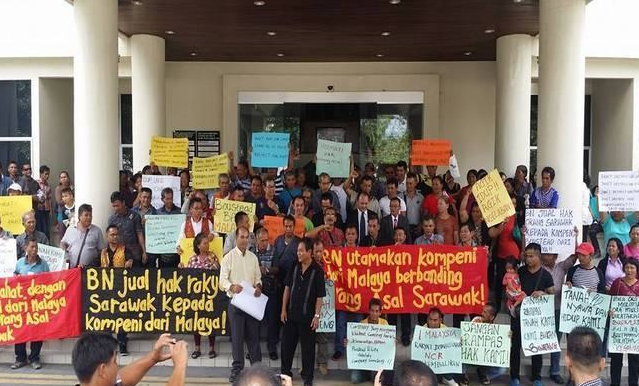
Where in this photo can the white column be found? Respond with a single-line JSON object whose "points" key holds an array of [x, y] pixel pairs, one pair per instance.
{"points": [[562, 67], [147, 94], [512, 131], [96, 133]]}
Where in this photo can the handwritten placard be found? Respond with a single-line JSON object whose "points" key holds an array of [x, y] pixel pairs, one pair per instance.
{"points": [[333, 158], [206, 171], [225, 210], [172, 152], [623, 336], [7, 257], [186, 245], [11, 210], [162, 232], [275, 227], [327, 315], [553, 229], [53, 256], [370, 346], [583, 308], [485, 344], [439, 348], [493, 199], [269, 150], [157, 183], [618, 191], [430, 152], [538, 325]]}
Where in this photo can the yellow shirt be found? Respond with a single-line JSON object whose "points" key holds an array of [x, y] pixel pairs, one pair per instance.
{"points": [[380, 321], [236, 268]]}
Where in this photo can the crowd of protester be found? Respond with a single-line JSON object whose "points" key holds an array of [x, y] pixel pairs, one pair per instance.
{"points": [[377, 205]]}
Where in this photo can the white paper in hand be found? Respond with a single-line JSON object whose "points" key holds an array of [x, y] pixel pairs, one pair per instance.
{"points": [[247, 302], [453, 167]]}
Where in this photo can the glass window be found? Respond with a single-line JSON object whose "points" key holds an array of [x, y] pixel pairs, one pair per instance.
{"points": [[126, 120], [15, 108], [19, 151]]}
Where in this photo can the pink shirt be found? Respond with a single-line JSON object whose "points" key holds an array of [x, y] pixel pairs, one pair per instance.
{"points": [[629, 251]]}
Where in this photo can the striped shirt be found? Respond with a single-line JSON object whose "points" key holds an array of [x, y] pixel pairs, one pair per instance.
{"points": [[586, 278]]}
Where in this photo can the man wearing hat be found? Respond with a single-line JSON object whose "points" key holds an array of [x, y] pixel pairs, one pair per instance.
{"points": [[14, 190]]}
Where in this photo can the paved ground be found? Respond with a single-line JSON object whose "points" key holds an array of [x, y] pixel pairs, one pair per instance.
{"points": [[53, 375]]}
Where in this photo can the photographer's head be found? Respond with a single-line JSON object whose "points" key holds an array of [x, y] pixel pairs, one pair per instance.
{"points": [[257, 376], [414, 373], [583, 354], [94, 359]]}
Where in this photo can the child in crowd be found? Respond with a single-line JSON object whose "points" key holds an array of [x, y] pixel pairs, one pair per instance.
{"points": [[512, 286], [67, 216], [374, 317]]}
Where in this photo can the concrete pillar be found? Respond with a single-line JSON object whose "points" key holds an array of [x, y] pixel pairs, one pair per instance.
{"points": [[512, 131], [96, 133], [562, 68], [147, 95]]}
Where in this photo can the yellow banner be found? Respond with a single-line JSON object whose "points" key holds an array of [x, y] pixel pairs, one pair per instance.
{"points": [[11, 210], [205, 171], [493, 199], [216, 246], [225, 210], [172, 152]]}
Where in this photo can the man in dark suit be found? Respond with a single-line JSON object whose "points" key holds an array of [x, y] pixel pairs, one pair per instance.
{"points": [[392, 221], [327, 202], [359, 217], [373, 239]]}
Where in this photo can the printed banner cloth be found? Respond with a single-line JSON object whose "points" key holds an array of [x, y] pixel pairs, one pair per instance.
{"points": [[180, 301], [40, 307], [409, 278]]}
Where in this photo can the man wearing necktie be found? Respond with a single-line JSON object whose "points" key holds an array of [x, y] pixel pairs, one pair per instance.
{"points": [[359, 217], [394, 220]]}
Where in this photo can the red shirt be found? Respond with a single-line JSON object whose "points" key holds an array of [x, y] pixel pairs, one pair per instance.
{"points": [[506, 243], [429, 205], [620, 288]]}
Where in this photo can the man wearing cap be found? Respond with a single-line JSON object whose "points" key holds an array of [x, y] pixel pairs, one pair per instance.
{"points": [[14, 190]]}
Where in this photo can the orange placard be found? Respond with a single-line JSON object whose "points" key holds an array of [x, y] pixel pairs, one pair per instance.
{"points": [[275, 227], [430, 152]]}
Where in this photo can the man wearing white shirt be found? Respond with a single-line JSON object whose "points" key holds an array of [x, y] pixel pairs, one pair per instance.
{"points": [[241, 265], [391, 192]]}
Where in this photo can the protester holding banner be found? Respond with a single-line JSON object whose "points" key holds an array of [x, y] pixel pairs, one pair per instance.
{"points": [[612, 264], [241, 265], [301, 306], [585, 274], [632, 248], [535, 282], [203, 259], [84, 241], [487, 374], [29, 223], [30, 264], [436, 320], [374, 317], [545, 196], [558, 271]]}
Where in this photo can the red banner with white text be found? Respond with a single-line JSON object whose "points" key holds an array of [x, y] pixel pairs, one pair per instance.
{"points": [[409, 278], [40, 307]]}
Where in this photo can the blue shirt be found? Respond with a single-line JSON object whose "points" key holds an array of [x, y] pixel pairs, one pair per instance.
{"points": [[24, 268], [174, 210], [620, 229], [286, 196]]}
